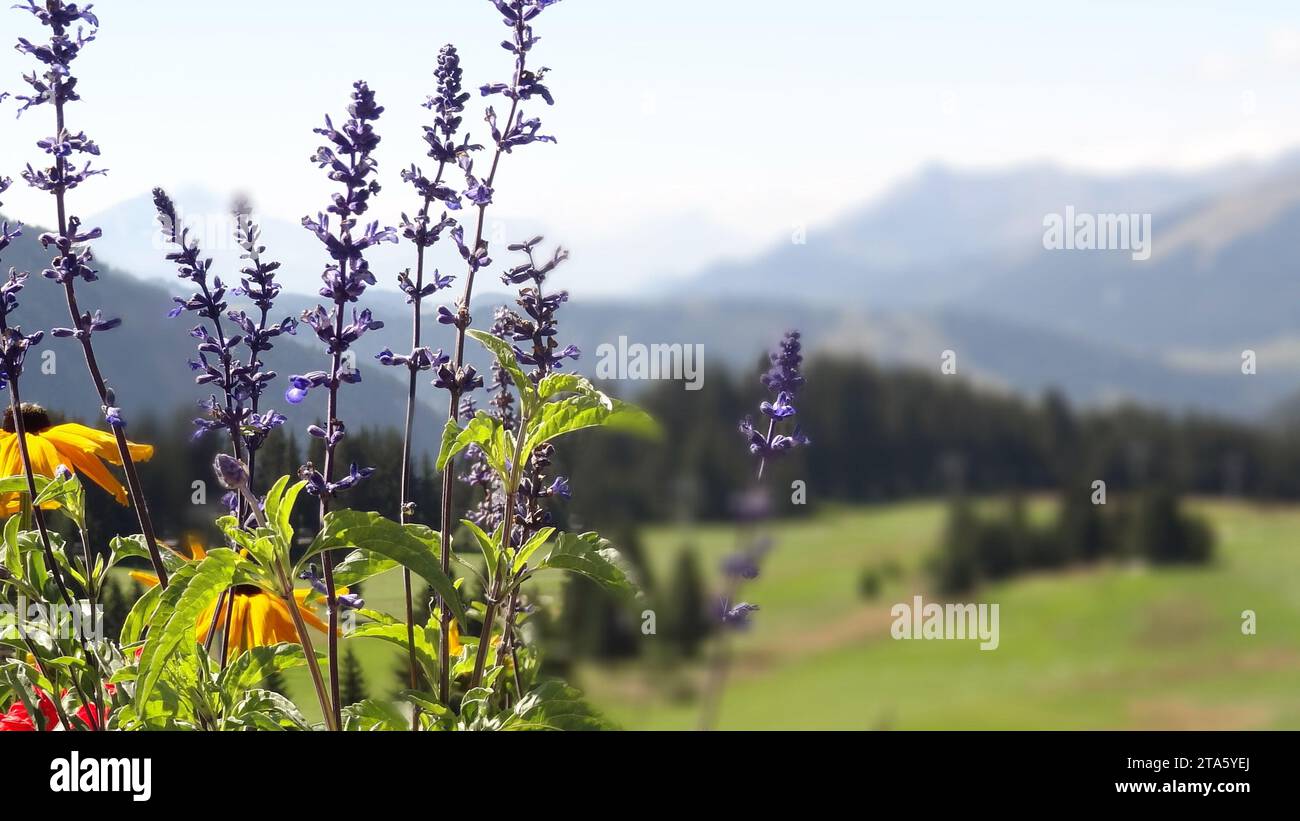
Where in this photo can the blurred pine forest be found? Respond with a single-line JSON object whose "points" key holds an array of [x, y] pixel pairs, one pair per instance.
{"points": [[880, 435]]}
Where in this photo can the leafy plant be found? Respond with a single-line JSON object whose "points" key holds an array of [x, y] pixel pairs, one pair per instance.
{"points": [[165, 668]]}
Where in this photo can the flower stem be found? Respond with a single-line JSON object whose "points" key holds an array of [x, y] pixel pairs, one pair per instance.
{"points": [[328, 712], [286, 593], [414, 672], [507, 526], [327, 557], [762, 463], [453, 412], [40, 668], [20, 430], [718, 669], [83, 334], [38, 516], [407, 505]]}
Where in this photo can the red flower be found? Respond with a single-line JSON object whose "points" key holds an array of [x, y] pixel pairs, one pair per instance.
{"points": [[19, 720]]}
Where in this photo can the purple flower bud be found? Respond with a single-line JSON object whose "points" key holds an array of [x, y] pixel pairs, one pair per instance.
{"points": [[780, 409], [560, 487], [348, 601], [738, 616], [231, 473]]}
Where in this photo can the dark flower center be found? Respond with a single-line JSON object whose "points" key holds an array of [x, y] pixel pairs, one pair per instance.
{"points": [[35, 419], [247, 590]]}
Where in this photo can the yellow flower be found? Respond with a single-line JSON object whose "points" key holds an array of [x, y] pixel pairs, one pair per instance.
{"points": [[74, 446], [453, 639], [257, 618]]}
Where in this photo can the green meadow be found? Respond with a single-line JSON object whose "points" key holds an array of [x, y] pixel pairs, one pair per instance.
{"points": [[1113, 646]]}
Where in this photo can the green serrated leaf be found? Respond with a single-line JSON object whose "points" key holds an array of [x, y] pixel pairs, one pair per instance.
{"points": [[481, 431], [504, 354], [556, 706], [395, 633], [135, 547], [266, 710], [283, 527], [360, 566], [414, 548], [488, 545], [18, 484], [589, 555], [254, 665], [593, 410], [531, 546], [140, 616], [373, 714], [184, 600], [271, 504], [564, 382], [13, 556], [428, 702]]}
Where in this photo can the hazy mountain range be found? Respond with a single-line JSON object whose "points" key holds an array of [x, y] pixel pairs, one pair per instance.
{"points": [[949, 260]]}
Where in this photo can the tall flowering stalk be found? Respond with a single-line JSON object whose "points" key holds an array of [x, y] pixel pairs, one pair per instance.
{"points": [[784, 378], [257, 283], [350, 162], [423, 232], [14, 345], [534, 335], [516, 130], [217, 363], [55, 85], [513, 445]]}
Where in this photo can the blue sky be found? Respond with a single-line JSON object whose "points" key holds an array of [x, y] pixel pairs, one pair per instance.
{"points": [[688, 130]]}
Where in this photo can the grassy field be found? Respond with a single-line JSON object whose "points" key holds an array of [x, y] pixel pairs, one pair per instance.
{"points": [[1108, 647]]}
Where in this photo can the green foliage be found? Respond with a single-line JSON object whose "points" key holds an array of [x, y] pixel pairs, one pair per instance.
{"points": [[977, 549], [685, 621], [352, 682], [167, 681], [589, 555], [375, 714], [259, 665], [1161, 533], [413, 546], [192, 590]]}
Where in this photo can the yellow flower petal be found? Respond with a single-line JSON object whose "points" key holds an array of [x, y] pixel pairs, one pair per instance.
{"points": [[300, 596], [105, 443]]}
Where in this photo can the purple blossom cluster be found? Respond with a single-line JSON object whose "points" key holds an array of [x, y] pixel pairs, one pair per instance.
{"points": [[538, 324], [51, 82], [784, 380], [454, 377], [534, 336], [447, 104], [257, 283], [8, 233], [348, 159], [55, 84], [518, 15], [14, 344], [424, 231], [218, 364], [72, 27]]}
